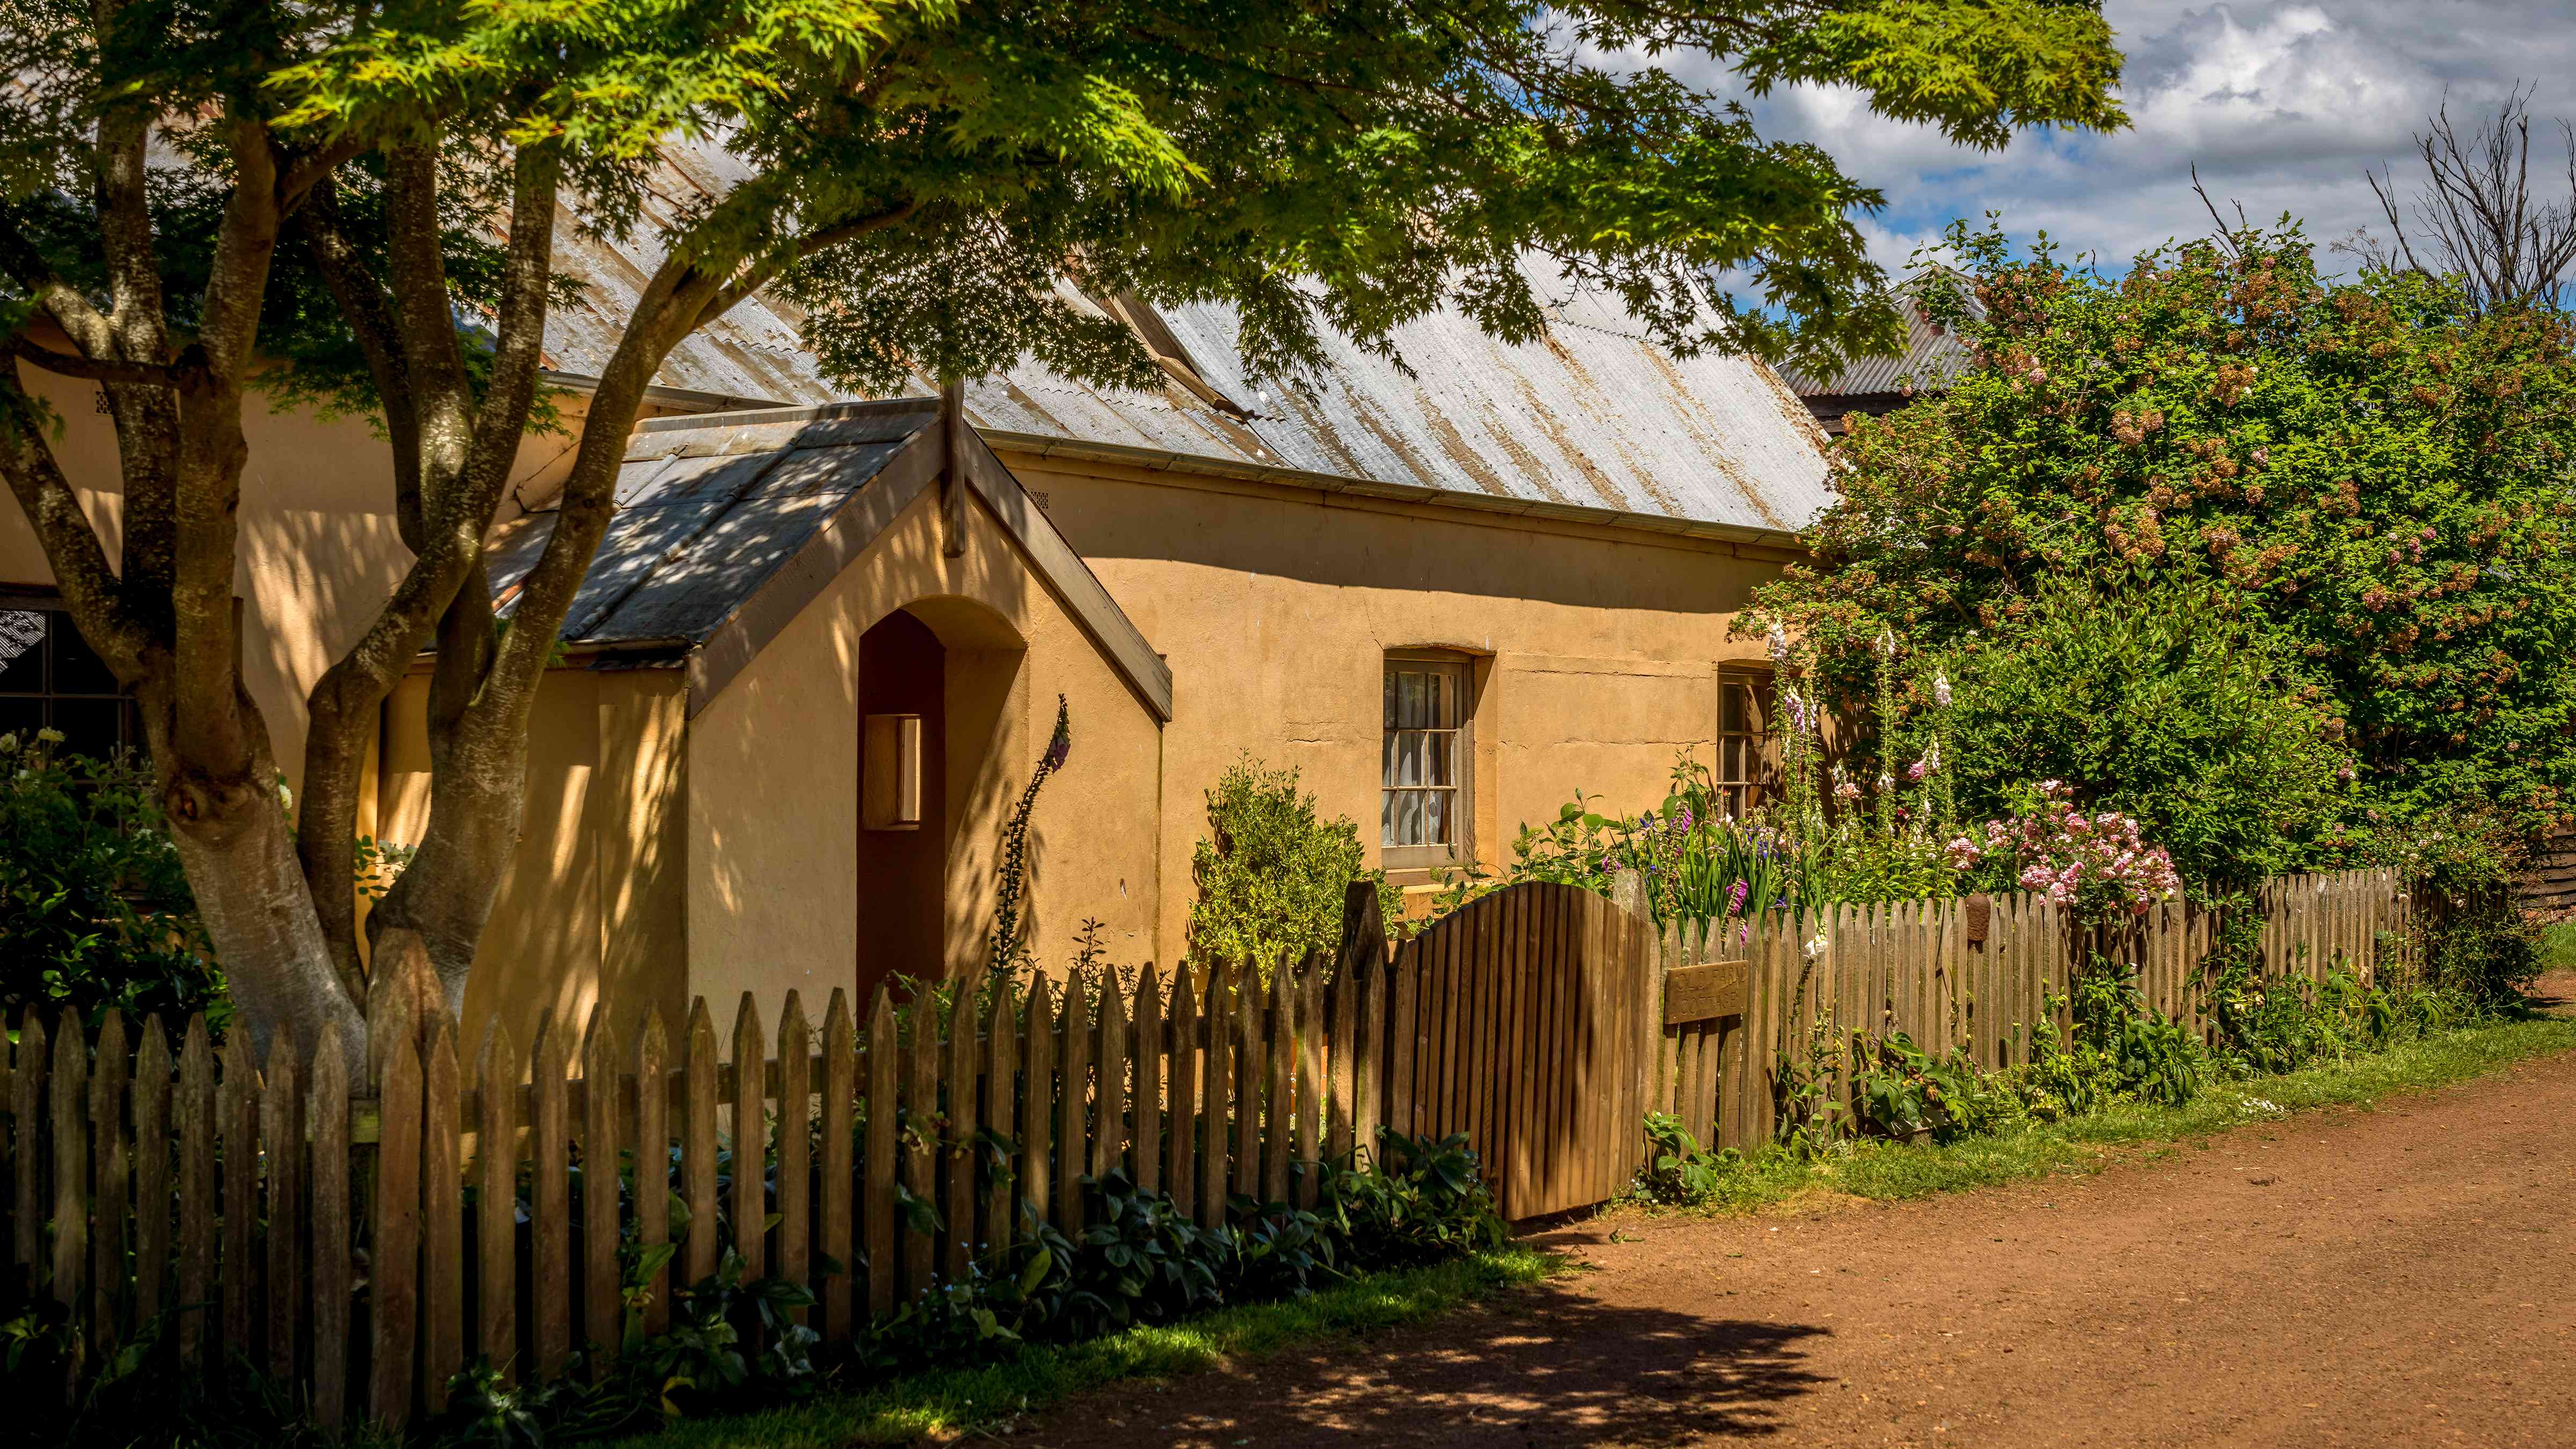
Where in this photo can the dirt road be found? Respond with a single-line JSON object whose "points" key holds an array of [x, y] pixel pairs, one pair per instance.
{"points": [[2403, 1276]]}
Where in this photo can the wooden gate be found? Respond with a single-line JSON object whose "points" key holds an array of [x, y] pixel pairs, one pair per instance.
{"points": [[1534, 1032]]}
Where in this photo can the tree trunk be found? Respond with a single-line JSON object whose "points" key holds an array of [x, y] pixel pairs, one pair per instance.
{"points": [[250, 892], [445, 895]]}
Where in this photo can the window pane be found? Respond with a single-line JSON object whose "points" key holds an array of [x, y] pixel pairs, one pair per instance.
{"points": [[1444, 758], [1408, 817], [22, 649], [1386, 758], [1436, 805], [1444, 699], [1732, 714], [1408, 757], [1390, 701], [76, 669], [1416, 700], [89, 726], [20, 715], [1386, 817]]}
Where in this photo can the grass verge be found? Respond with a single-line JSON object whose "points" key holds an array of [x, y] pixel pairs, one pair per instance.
{"points": [[946, 1401], [1886, 1171], [2558, 947]]}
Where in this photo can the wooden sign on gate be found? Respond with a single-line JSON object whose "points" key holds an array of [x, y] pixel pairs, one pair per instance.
{"points": [[1702, 993]]}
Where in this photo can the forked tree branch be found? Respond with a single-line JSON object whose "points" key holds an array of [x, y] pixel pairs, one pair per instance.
{"points": [[187, 372], [71, 543]]}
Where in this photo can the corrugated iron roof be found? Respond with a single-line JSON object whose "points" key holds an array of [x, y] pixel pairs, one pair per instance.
{"points": [[707, 516], [1932, 355], [1592, 414]]}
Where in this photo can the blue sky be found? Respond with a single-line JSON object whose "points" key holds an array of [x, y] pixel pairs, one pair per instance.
{"points": [[2282, 105]]}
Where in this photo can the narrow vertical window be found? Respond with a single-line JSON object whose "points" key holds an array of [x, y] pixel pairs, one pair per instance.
{"points": [[1423, 802], [1742, 740]]}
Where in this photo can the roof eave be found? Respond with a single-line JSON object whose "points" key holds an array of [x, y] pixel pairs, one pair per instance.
{"points": [[1160, 460]]}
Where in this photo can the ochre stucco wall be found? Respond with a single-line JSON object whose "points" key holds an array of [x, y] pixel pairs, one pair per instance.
{"points": [[592, 908], [774, 902], [319, 553], [1275, 607]]}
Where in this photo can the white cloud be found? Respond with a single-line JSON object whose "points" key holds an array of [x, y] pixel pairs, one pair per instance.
{"points": [[2282, 106]]}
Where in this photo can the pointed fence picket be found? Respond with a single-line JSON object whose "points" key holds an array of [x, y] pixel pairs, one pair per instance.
{"points": [[315, 1220]]}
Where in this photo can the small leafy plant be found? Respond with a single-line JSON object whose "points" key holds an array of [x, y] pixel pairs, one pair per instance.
{"points": [[1902, 1092]]}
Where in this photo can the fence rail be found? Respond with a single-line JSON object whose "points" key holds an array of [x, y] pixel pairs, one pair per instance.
{"points": [[365, 1233]]}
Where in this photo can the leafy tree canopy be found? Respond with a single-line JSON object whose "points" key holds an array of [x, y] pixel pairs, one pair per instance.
{"points": [[2369, 473]]}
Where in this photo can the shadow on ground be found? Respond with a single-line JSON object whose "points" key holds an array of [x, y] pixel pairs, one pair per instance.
{"points": [[1541, 1366]]}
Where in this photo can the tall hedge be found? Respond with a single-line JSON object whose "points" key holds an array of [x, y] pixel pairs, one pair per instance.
{"points": [[2362, 470]]}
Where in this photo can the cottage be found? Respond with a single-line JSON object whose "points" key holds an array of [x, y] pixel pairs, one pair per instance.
{"points": [[822, 649]]}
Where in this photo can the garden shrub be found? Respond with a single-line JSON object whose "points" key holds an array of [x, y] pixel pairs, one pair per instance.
{"points": [[2151, 701], [2367, 472], [2463, 862], [2096, 863], [2116, 1049], [1272, 874], [94, 908]]}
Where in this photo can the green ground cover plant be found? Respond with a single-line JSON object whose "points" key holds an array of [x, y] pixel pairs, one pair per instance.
{"points": [[2121, 1074], [1732, 1181]]}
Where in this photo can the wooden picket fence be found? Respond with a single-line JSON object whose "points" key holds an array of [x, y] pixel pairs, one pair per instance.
{"points": [[2547, 886], [364, 1233], [1974, 972]]}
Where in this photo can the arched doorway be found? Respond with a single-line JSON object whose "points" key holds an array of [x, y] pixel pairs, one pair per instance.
{"points": [[903, 854], [940, 723]]}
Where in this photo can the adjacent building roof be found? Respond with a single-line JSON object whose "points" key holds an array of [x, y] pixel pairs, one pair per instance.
{"points": [[1876, 384], [1591, 416]]}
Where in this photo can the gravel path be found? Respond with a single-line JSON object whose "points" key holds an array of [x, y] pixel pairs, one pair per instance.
{"points": [[2401, 1276]]}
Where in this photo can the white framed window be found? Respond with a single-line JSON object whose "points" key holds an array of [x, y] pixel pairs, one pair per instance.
{"points": [[1425, 803], [1743, 738]]}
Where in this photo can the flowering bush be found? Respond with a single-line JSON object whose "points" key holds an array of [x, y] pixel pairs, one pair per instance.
{"points": [[2367, 472], [2095, 863], [2154, 699]]}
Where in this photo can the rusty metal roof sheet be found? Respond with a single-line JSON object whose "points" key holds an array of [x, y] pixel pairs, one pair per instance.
{"points": [[705, 517], [1592, 414]]}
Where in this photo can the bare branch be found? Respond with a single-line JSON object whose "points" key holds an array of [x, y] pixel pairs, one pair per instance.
{"points": [[424, 310], [755, 276], [370, 317], [2219, 232], [300, 176], [2475, 217], [520, 331]]}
